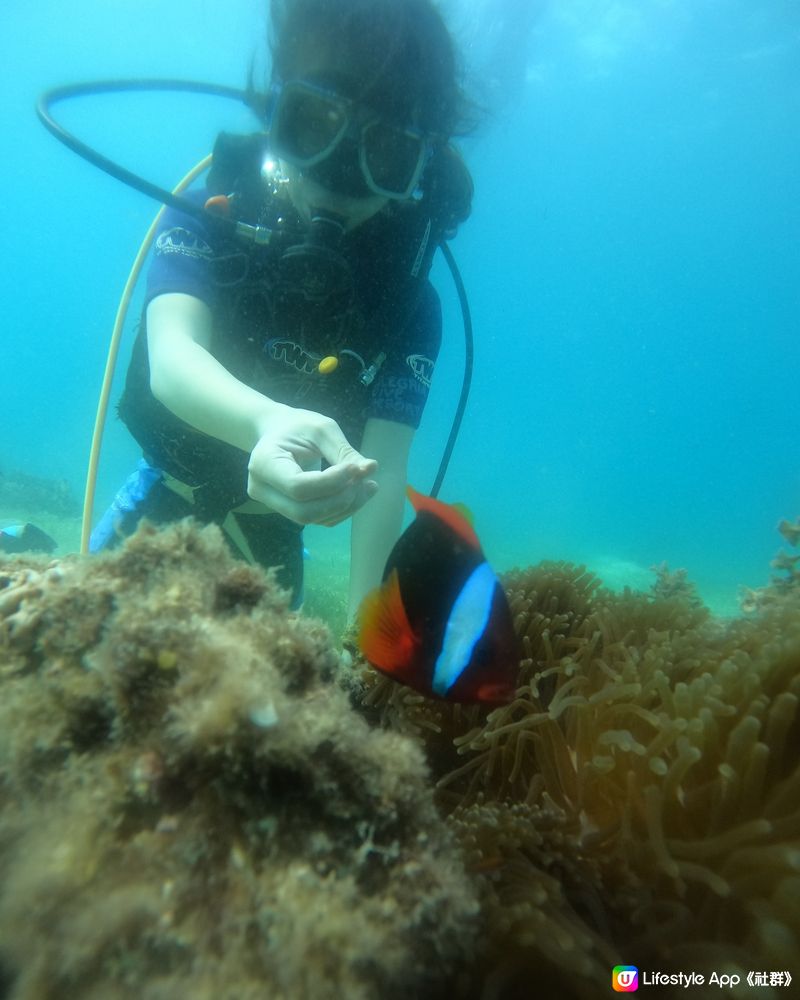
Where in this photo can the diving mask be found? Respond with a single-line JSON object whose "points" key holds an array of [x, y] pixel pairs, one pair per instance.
{"points": [[310, 123]]}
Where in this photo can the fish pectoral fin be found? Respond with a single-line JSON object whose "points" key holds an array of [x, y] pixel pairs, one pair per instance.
{"points": [[498, 694], [385, 635]]}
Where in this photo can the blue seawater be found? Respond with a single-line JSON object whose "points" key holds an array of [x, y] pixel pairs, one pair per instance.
{"points": [[632, 263]]}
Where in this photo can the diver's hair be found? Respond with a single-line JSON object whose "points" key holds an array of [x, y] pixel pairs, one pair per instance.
{"points": [[398, 53]]}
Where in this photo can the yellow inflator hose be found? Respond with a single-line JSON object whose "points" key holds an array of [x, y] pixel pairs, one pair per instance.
{"points": [[111, 360]]}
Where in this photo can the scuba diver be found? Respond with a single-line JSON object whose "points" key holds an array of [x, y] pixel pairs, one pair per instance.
{"points": [[280, 373]]}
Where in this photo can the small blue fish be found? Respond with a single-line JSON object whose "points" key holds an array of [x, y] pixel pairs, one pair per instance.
{"points": [[440, 621]]}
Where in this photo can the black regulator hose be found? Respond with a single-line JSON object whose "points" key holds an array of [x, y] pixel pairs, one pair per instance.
{"points": [[51, 97], [468, 363]]}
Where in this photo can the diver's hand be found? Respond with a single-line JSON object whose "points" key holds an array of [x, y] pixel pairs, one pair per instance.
{"points": [[284, 470]]}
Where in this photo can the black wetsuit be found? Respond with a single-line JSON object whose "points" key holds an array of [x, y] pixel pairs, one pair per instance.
{"points": [[272, 336]]}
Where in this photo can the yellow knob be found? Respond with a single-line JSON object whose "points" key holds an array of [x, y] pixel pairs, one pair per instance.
{"points": [[328, 365]]}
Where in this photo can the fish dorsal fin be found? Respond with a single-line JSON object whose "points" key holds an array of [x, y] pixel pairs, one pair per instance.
{"points": [[456, 517], [465, 512], [385, 636]]}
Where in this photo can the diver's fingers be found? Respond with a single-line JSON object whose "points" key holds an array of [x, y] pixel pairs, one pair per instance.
{"points": [[338, 452], [326, 509], [282, 473], [288, 458], [345, 465]]}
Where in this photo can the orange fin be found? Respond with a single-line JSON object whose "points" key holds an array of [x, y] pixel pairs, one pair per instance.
{"points": [[455, 516], [385, 636]]}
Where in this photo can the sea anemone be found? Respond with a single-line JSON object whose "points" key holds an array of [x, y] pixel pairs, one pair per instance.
{"points": [[639, 800]]}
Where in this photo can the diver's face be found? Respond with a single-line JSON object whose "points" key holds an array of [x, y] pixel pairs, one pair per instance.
{"points": [[337, 184], [309, 197]]}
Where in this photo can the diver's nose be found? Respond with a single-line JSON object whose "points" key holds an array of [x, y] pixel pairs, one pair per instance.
{"points": [[341, 172]]}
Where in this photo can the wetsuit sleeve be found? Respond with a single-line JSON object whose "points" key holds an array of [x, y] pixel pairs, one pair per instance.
{"points": [[401, 388], [182, 254]]}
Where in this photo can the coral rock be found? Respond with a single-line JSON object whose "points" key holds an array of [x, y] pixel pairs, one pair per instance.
{"points": [[190, 807]]}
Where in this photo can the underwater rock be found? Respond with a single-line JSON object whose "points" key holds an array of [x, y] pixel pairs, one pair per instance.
{"points": [[37, 494], [787, 580], [190, 807]]}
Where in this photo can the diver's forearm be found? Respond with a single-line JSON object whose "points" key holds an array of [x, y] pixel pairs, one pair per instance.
{"points": [[375, 530], [377, 525], [194, 386]]}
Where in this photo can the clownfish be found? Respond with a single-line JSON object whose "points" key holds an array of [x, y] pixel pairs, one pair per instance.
{"points": [[440, 621]]}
